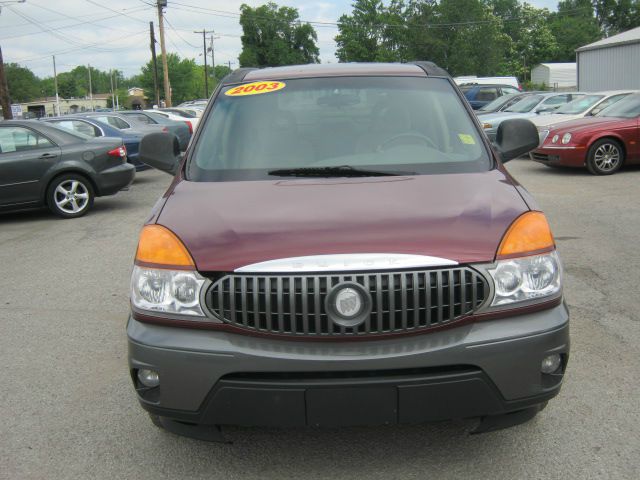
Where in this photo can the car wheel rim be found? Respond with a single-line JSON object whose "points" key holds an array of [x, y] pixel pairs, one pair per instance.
{"points": [[71, 196], [607, 157]]}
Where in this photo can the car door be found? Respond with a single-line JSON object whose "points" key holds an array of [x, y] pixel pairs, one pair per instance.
{"points": [[25, 156]]}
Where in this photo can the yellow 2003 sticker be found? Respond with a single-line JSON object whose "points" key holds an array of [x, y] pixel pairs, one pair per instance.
{"points": [[466, 139], [255, 88]]}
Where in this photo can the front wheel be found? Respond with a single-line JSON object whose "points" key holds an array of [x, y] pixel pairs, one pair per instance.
{"points": [[70, 196], [605, 157]]}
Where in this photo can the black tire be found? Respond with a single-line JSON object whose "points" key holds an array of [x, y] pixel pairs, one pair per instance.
{"points": [[605, 157], [79, 195], [155, 419]]}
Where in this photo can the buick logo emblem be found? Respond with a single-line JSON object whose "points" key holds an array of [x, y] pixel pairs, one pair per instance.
{"points": [[348, 302]]}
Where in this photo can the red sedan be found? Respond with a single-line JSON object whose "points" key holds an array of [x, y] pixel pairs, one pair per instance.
{"points": [[602, 143]]}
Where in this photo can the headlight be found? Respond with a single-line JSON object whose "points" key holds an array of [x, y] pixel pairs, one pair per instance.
{"points": [[526, 278], [167, 291], [542, 135], [555, 139], [566, 138]]}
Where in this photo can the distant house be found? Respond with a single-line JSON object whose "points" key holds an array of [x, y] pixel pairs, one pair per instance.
{"points": [[610, 64], [558, 76], [136, 92], [46, 107]]}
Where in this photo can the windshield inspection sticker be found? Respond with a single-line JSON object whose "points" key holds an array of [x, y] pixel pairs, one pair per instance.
{"points": [[255, 88], [466, 139]]}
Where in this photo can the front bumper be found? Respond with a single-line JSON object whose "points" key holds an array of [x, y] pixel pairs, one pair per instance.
{"points": [[485, 368], [559, 156]]}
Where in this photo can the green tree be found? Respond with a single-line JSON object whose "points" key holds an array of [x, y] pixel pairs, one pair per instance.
{"points": [[23, 85], [573, 25], [361, 35], [186, 79], [273, 36], [615, 16]]}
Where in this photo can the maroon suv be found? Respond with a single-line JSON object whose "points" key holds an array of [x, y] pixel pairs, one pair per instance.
{"points": [[342, 245]]}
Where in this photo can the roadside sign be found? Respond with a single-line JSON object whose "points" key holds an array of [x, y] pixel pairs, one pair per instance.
{"points": [[16, 110]]}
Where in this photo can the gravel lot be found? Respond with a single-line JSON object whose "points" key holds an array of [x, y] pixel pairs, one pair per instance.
{"points": [[69, 410]]}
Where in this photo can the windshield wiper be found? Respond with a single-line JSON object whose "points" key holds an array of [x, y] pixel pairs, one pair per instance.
{"points": [[339, 171]]}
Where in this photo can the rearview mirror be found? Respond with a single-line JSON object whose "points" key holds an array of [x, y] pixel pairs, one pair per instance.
{"points": [[516, 137], [161, 151]]}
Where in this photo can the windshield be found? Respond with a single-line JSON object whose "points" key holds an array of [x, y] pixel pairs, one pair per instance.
{"points": [[526, 104], [580, 105], [628, 107], [376, 123], [499, 102]]}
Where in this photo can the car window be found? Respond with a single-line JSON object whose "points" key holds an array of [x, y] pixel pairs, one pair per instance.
{"points": [[555, 100], [116, 122], [579, 105], [525, 105], [78, 126], [19, 139], [628, 107], [486, 94], [507, 89], [142, 118], [607, 102], [400, 124]]}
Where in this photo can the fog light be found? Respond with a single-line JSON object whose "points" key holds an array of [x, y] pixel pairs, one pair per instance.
{"points": [[551, 363], [148, 378]]}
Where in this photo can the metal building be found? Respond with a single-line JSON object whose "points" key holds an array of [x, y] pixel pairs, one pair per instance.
{"points": [[610, 64], [559, 76]]}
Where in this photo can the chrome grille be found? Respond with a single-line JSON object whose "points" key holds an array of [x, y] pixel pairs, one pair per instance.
{"points": [[402, 301]]}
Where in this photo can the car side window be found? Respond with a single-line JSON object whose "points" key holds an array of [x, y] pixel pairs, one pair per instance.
{"points": [[114, 122], [605, 103], [19, 139], [86, 128], [486, 94], [507, 90]]}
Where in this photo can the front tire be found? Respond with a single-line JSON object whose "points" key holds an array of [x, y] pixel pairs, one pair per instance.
{"points": [[605, 157], [70, 195]]}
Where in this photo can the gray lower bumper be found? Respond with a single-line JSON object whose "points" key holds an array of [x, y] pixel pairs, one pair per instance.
{"points": [[507, 353]]}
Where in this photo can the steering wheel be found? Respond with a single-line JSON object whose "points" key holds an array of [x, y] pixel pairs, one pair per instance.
{"points": [[426, 140]]}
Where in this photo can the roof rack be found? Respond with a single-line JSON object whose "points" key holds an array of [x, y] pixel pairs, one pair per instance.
{"points": [[431, 69], [237, 75]]}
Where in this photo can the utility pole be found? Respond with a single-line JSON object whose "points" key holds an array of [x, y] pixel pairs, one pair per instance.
{"points": [[117, 99], [113, 98], [55, 84], [155, 64], [213, 63], [4, 92], [204, 54], [165, 68], [91, 90]]}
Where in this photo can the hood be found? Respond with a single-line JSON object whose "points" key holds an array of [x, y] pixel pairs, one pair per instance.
{"points": [[227, 225], [586, 123], [553, 119]]}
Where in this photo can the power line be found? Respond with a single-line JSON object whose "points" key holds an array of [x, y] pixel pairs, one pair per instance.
{"points": [[116, 11], [179, 36]]}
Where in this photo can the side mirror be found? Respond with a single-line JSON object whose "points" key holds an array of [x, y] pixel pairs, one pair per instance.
{"points": [[516, 137], [545, 109], [161, 151]]}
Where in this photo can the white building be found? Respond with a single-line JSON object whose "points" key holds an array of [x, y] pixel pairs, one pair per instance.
{"points": [[558, 76], [610, 64]]}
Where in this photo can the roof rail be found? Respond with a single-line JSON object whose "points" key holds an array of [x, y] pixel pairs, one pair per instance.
{"points": [[236, 76], [431, 69]]}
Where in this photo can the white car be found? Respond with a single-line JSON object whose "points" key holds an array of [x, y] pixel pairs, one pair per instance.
{"points": [[585, 106], [190, 119]]}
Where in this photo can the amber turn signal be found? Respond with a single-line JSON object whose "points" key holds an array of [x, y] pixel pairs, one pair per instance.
{"points": [[528, 234], [160, 246]]}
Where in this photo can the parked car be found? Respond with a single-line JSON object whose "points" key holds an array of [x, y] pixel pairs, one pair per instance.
{"points": [[603, 143], [479, 95], [501, 103], [180, 129], [585, 106], [45, 166], [342, 245], [136, 120], [529, 107], [191, 121], [94, 128], [512, 81]]}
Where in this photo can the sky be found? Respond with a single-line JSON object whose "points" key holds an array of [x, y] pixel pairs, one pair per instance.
{"points": [[114, 34]]}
